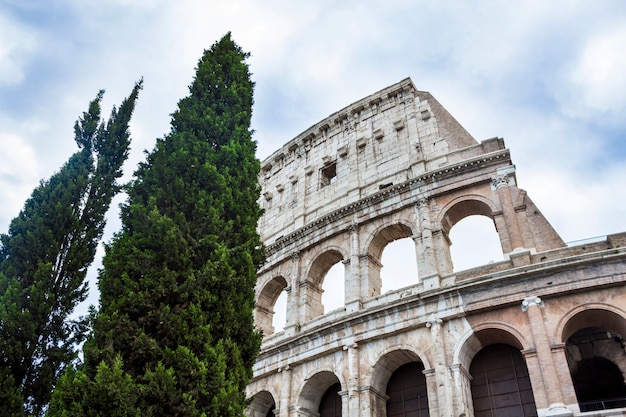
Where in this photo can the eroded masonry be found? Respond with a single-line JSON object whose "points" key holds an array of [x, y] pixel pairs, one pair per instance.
{"points": [[538, 333]]}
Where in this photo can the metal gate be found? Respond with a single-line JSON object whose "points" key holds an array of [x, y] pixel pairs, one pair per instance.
{"points": [[330, 405], [500, 383], [407, 392]]}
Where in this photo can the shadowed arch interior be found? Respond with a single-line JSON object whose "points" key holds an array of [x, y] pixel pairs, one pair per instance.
{"points": [[500, 383], [594, 317], [262, 403], [315, 388]]}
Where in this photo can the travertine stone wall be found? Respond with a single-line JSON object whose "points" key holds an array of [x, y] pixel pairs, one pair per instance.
{"points": [[394, 165]]}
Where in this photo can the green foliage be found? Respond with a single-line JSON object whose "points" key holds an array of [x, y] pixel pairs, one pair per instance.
{"points": [[46, 253], [177, 287]]}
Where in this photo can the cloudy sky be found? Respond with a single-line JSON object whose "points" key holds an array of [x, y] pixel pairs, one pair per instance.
{"points": [[547, 76]]}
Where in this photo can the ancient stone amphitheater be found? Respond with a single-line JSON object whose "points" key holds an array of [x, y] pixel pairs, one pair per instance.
{"points": [[539, 333]]}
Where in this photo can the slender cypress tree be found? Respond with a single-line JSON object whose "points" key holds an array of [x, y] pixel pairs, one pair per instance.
{"points": [[175, 331], [44, 259]]}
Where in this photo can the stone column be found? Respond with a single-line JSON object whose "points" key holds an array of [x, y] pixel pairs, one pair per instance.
{"points": [[444, 397], [565, 377], [431, 389], [353, 402], [427, 262], [353, 283], [553, 399], [370, 273], [375, 402], [294, 311], [462, 390], [310, 301], [500, 183], [284, 401]]}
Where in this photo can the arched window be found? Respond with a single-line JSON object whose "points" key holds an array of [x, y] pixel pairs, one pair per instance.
{"points": [[330, 405], [475, 242], [334, 288], [598, 381], [267, 305], [407, 393], [279, 320], [399, 265], [500, 383]]}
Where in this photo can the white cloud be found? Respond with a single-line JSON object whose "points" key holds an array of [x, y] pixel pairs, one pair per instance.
{"points": [[17, 44], [549, 77], [18, 171], [598, 78]]}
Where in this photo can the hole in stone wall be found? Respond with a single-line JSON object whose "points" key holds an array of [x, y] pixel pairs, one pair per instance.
{"points": [[328, 175], [475, 242]]}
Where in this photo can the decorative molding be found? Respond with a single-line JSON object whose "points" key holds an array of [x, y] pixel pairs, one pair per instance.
{"points": [[382, 195]]}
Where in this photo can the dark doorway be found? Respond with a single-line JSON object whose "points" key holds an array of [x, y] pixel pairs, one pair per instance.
{"points": [[500, 383], [407, 392], [598, 382], [330, 405]]}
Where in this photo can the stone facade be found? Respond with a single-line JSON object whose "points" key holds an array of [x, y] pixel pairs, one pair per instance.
{"points": [[395, 165]]}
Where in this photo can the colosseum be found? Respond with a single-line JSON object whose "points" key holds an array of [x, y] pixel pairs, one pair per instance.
{"points": [[537, 333]]}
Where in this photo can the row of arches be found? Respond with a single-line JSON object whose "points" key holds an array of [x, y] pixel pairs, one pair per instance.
{"points": [[473, 242], [401, 382]]}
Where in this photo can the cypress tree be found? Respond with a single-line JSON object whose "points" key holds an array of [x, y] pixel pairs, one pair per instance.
{"points": [[175, 329], [45, 256]]}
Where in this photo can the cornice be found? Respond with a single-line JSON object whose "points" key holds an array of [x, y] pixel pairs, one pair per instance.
{"points": [[440, 174]]}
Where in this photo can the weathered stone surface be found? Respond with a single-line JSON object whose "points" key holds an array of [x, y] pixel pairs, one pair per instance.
{"points": [[393, 165]]}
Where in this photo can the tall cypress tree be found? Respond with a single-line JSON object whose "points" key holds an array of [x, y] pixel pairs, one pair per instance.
{"points": [[174, 332], [45, 256]]}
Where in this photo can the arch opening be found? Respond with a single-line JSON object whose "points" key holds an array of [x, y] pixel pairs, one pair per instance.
{"points": [[279, 321], [470, 226], [325, 285], [262, 405], [320, 391], [394, 243], [407, 392], [474, 242], [597, 363], [330, 404], [399, 265], [500, 383], [267, 305], [333, 288]]}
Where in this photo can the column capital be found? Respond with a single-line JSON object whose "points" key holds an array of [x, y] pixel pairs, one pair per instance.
{"points": [[433, 320], [499, 181], [422, 202], [531, 301]]}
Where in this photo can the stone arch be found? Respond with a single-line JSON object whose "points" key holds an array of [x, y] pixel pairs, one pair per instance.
{"points": [[312, 286], [484, 335], [386, 234], [261, 404], [456, 210], [488, 335], [378, 240], [500, 383], [464, 206], [390, 360], [322, 262], [595, 353], [591, 315], [266, 299], [313, 390]]}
